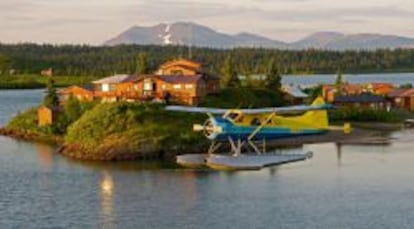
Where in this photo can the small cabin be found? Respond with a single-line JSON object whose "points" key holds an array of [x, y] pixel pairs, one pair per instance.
{"points": [[81, 93], [363, 100], [48, 115], [294, 95], [402, 98], [47, 72]]}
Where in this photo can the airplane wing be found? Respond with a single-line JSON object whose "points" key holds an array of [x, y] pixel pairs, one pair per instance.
{"points": [[287, 109], [278, 110], [196, 109]]}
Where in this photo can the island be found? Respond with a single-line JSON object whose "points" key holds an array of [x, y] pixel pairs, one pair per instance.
{"points": [[123, 117]]}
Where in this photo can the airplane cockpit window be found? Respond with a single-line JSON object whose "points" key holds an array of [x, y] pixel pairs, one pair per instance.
{"points": [[234, 117], [255, 122]]}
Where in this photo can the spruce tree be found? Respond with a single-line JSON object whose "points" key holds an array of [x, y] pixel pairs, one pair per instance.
{"points": [[229, 77], [4, 64], [339, 82], [142, 64], [72, 109], [51, 99], [273, 79]]}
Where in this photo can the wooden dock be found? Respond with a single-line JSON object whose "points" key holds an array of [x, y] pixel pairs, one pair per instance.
{"points": [[409, 123]]}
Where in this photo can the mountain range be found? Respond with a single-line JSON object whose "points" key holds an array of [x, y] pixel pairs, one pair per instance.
{"points": [[183, 33]]}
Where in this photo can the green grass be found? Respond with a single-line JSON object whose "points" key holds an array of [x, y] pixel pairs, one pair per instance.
{"points": [[141, 130], [364, 115], [26, 120], [37, 81]]}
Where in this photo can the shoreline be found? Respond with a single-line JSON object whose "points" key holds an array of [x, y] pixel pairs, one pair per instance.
{"points": [[30, 137], [358, 136], [28, 84]]}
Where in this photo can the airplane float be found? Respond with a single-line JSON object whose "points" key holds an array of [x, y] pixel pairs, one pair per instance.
{"points": [[245, 129]]}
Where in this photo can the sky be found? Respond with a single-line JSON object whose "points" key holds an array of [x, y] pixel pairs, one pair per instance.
{"points": [[95, 21]]}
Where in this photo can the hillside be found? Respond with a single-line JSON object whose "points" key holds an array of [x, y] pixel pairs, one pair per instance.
{"points": [[189, 33], [182, 33]]}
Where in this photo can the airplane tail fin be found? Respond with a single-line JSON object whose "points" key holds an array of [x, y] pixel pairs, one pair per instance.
{"points": [[319, 118], [319, 101]]}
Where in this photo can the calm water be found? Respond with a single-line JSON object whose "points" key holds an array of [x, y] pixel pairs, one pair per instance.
{"points": [[394, 78], [340, 187]]}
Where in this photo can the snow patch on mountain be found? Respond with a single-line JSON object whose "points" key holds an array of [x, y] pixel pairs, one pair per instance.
{"points": [[167, 39], [166, 36]]}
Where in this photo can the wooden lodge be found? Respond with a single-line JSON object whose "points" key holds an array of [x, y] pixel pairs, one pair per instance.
{"points": [[363, 100], [82, 93], [179, 81], [294, 95], [329, 92], [402, 98]]}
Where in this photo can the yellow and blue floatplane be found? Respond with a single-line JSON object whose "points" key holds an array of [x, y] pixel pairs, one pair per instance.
{"points": [[245, 129]]}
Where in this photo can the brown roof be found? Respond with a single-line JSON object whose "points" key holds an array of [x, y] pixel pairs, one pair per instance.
{"points": [[375, 85], [116, 79], [402, 92], [86, 88], [180, 61]]}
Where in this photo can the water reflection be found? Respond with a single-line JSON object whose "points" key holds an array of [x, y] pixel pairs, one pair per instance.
{"points": [[190, 190], [106, 188], [45, 156], [339, 154]]}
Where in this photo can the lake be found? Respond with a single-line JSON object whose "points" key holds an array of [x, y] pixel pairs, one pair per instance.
{"points": [[312, 80], [344, 186]]}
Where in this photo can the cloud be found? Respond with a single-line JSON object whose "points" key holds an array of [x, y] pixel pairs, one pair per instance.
{"points": [[164, 10], [96, 20]]}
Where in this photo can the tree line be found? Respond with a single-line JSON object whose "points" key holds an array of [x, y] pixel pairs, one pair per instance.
{"points": [[83, 60]]}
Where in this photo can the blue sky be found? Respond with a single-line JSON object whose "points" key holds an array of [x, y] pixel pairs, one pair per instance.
{"points": [[94, 21]]}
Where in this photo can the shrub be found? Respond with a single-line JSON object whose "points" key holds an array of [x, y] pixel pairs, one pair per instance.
{"points": [[363, 115], [243, 98]]}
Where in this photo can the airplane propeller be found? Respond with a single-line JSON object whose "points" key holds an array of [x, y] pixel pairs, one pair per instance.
{"points": [[209, 127]]}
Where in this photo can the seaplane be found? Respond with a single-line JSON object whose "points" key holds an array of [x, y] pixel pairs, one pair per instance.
{"points": [[246, 131]]}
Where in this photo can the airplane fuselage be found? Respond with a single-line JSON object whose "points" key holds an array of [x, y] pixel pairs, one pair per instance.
{"points": [[229, 130]]}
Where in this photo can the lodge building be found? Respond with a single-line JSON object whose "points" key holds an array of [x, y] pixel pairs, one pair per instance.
{"points": [[179, 81]]}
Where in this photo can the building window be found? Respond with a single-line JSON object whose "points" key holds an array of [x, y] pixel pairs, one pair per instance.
{"points": [[188, 86], [148, 85], [105, 87], [177, 86], [397, 100], [177, 72]]}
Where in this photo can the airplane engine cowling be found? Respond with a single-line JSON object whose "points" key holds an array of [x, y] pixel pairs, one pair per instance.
{"points": [[210, 128]]}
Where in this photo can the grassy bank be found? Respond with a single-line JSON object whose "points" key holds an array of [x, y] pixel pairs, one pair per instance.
{"points": [[24, 126], [132, 131], [37, 81], [113, 131]]}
